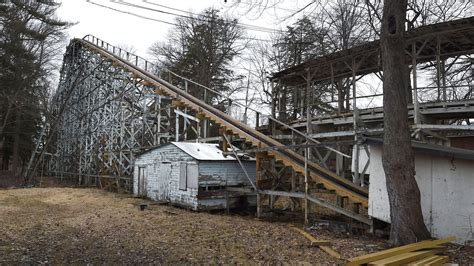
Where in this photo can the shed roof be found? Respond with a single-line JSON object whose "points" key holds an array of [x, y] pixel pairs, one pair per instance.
{"points": [[203, 151], [432, 149]]}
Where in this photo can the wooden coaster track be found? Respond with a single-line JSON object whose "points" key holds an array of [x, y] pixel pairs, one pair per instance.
{"points": [[320, 175]]}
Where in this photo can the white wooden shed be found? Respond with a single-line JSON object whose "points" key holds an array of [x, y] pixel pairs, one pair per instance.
{"points": [[445, 177], [192, 175]]}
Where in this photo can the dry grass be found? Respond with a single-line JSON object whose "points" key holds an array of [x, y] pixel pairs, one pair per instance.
{"points": [[65, 225], [83, 226]]}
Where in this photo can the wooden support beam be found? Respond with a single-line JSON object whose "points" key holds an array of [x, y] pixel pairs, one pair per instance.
{"points": [[340, 210], [320, 202], [398, 250], [258, 180], [282, 193]]}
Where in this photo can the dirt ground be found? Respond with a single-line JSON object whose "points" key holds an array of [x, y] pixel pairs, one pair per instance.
{"points": [[82, 226]]}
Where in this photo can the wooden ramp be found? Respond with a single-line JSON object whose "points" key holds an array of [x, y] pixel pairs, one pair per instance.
{"points": [[320, 175], [420, 253]]}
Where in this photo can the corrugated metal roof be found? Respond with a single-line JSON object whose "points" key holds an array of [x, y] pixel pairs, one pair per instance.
{"points": [[203, 151]]}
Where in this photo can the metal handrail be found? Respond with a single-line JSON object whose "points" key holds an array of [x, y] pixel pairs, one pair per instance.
{"points": [[141, 62]]}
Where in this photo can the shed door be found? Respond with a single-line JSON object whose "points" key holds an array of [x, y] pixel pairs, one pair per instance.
{"points": [[164, 176], [141, 181]]}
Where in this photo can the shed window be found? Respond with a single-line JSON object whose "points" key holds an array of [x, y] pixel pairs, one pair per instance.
{"points": [[192, 175], [182, 176]]}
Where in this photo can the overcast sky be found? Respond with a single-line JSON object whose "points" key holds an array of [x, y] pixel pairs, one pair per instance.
{"points": [[128, 30], [120, 28]]}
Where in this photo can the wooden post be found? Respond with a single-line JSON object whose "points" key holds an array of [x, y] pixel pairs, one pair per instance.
{"points": [[293, 177], [293, 187], [257, 120], [308, 104], [204, 121], [334, 88], [354, 91], [271, 124], [415, 89], [306, 202], [439, 70], [356, 154], [177, 126], [355, 116], [225, 145], [258, 158], [443, 75], [309, 124], [229, 108], [158, 136], [226, 194], [339, 163]]}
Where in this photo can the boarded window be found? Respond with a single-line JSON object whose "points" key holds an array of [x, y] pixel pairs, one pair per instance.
{"points": [[182, 176], [192, 175], [141, 181]]}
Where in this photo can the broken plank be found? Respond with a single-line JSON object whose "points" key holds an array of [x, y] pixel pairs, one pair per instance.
{"points": [[404, 258], [398, 250], [314, 242]]}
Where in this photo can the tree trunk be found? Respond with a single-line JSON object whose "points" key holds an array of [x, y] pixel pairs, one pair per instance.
{"points": [[16, 146], [398, 159], [340, 96], [282, 112], [409, 89]]}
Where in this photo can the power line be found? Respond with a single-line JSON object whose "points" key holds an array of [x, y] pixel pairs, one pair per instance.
{"points": [[244, 26], [157, 20], [131, 13], [201, 15]]}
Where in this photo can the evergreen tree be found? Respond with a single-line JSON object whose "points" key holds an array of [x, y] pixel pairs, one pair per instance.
{"points": [[29, 37], [201, 48]]}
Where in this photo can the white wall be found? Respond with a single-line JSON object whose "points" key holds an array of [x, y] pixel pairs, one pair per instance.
{"points": [[152, 161], [447, 193], [184, 198], [211, 173]]}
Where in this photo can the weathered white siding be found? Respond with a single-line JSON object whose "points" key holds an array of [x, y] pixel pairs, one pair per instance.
{"points": [[204, 182], [153, 162], [213, 173], [447, 193], [184, 198]]}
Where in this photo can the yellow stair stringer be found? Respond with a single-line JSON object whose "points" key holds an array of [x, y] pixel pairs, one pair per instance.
{"points": [[162, 87]]}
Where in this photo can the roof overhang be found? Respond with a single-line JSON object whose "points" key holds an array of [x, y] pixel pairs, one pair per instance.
{"points": [[454, 38]]}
